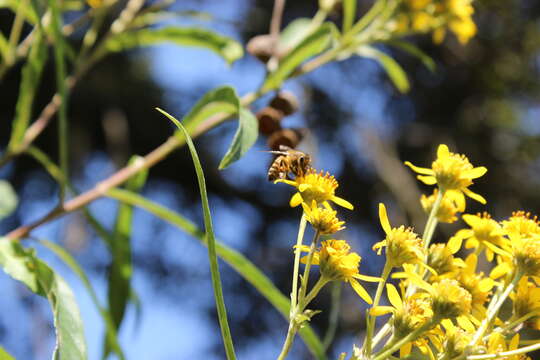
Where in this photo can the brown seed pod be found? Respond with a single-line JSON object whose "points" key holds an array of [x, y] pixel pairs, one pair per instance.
{"points": [[269, 120], [286, 137], [286, 102], [261, 46]]}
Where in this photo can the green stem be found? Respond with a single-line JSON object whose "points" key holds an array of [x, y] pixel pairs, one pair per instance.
{"points": [[492, 312], [381, 334], [297, 251], [522, 350], [311, 295], [293, 328], [520, 320], [370, 318], [305, 278], [395, 346], [334, 314]]}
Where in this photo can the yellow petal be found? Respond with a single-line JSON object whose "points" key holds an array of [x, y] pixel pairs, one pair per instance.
{"points": [[303, 187], [465, 324], [383, 217], [285, 181], [476, 172], [486, 284], [454, 244], [499, 270], [367, 278], [405, 350], [428, 180], [360, 291], [342, 202], [514, 342], [471, 262], [471, 220], [442, 151], [393, 296], [381, 310], [420, 170], [475, 196], [296, 200]]}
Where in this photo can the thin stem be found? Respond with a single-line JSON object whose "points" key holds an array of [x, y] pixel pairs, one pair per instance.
{"points": [[334, 315], [16, 30], [492, 312], [370, 318], [293, 328], [522, 350], [384, 354], [296, 267], [305, 278], [381, 334], [520, 320], [314, 292], [275, 22]]}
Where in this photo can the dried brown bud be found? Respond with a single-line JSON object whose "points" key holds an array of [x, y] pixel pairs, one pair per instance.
{"points": [[261, 46], [287, 137], [286, 102], [269, 120]]}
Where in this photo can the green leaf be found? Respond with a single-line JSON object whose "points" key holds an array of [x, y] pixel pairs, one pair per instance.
{"points": [[22, 264], [318, 41], [220, 100], [28, 11], [349, 12], [30, 77], [8, 199], [414, 51], [211, 240], [294, 33], [392, 68], [225, 100], [121, 269], [244, 138], [4, 355], [76, 268], [227, 48], [233, 258]]}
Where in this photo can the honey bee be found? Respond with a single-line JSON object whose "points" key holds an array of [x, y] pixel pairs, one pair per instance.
{"points": [[288, 161]]}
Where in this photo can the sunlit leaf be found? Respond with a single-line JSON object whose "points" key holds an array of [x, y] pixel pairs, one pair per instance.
{"points": [[294, 33], [392, 68], [211, 242], [121, 269], [22, 265], [4, 355], [31, 74], [227, 48], [8, 199], [70, 261], [244, 138], [242, 265], [314, 44]]}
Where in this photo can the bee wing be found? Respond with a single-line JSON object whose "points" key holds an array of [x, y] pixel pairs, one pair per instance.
{"points": [[284, 148]]}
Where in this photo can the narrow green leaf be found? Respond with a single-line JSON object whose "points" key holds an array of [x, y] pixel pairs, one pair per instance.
{"points": [[4, 47], [414, 51], [156, 17], [121, 269], [220, 100], [393, 69], [8, 199], [244, 138], [227, 48], [28, 11], [294, 33], [4, 355], [314, 44], [236, 260], [349, 12], [211, 240], [60, 66], [22, 264], [76, 268], [30, 77]]}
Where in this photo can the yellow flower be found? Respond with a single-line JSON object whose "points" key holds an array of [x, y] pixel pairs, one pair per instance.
{"points": [[408, 314], [464, 28], [453, 342], [403, 246], [485, 233], [526, 302], [521, 224], [453, 202], [442, 260], [477, 284], [526, 253], [315, 186], [95, 3], [451, 171], [337, 263], [449, 300], [322, 219], [497, 343]]}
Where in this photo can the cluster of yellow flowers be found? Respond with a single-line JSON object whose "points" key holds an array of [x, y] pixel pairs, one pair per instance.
{"points": [[436, 16], [442, 306]]}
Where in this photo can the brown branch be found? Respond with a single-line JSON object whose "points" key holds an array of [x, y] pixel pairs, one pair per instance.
{"points": [[275, 22]]}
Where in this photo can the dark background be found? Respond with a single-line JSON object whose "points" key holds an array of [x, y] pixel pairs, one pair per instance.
{"points": [[482, 100]]}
